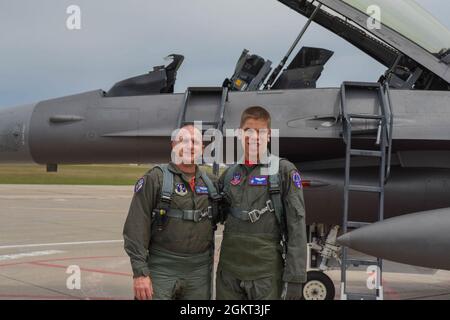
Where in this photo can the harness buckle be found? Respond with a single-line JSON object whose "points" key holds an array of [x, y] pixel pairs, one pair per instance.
{"points": [[270, 206], [210, 212], [254, 215], [200, 215]]}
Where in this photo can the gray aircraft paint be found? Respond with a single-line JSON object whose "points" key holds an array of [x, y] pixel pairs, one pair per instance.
{"points": [[409, 190], [90, 128]]}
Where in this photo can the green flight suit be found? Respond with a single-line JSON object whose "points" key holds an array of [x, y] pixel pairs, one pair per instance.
{"points": [[177, 253], [251, 265]]}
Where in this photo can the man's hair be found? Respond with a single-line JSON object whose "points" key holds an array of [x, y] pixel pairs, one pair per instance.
{"points": [[180, 132], [256, 113]]}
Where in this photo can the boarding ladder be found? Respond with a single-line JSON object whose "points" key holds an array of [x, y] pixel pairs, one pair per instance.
{"points": [[382, 119]]}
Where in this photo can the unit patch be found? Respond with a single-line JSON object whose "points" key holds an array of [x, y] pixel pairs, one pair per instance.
{"points": [[180, 189], [236, 179]]}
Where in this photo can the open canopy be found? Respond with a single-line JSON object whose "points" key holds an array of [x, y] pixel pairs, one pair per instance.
{"points": [[411, 21], [405, 29]]}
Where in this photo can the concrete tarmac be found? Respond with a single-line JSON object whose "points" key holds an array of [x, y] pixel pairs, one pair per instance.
{"points": [[51, 233]]}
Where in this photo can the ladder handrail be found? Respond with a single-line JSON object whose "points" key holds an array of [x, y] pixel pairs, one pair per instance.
{"points": [[221, 120], [220, 124], [387, 94], [182, 115], [385, 102]]}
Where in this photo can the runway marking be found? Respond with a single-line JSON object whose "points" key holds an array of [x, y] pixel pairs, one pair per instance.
{"points": [[102, 271], [38, 286], [61, 259], [430, 296], [58, 244], [48, 297], [69, 209], [28, 254]]}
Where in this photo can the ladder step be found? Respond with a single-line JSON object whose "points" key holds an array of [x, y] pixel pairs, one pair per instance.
{"points": [[365, 116], [356, 262], [366, 132], [204, 123], [362, 84], [205, 89], [360, 188], [210, 123], [357, 225], [365, 153], [361, 296]]}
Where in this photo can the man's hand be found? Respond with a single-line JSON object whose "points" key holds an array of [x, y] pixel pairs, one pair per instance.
{"points": [[292, 291], [143, 289]]}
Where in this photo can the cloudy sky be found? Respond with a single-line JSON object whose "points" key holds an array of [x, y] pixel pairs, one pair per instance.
{"points": [[41, 58]]}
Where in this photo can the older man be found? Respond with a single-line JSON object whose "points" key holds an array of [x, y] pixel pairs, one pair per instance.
{"points": [[169, 232]]}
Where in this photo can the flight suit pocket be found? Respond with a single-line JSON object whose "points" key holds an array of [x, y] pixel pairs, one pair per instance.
{"points": [[159, 223], [265, 289]]}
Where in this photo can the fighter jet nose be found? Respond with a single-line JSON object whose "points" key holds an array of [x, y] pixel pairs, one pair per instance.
{"points": [[420, 239], [14, 133]]}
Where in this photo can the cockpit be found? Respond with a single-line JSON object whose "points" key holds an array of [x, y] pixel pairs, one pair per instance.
{"points": [[416, 58]]}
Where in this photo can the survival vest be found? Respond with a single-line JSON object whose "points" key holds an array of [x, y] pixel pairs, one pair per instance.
{"points": [[164, 210], [274, 205]]}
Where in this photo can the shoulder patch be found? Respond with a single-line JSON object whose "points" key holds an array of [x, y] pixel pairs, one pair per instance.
{"points": [[139, 185], [297, 179]]}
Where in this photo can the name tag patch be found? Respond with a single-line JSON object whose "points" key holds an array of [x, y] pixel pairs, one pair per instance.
{"points": [[258, 181], [201, 189]]}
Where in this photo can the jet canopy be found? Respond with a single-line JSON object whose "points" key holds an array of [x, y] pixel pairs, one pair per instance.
{"points": [[411, 21], [408, 40]]}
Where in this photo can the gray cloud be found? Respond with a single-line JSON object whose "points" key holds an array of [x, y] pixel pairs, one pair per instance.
{"points": [[42, 59]]}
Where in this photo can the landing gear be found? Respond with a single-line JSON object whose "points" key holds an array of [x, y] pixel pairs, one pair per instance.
{"points": [[318, 286], [322, 251]]}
